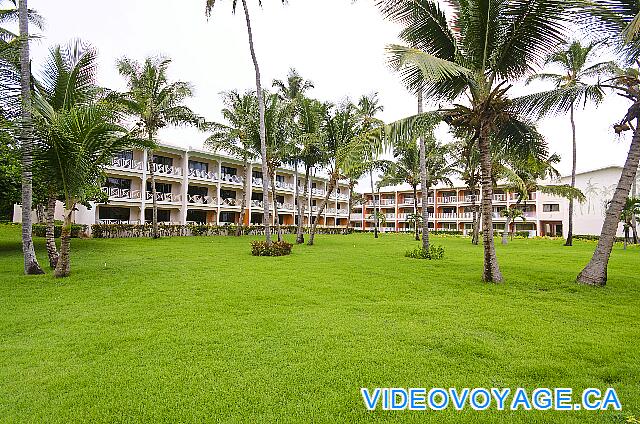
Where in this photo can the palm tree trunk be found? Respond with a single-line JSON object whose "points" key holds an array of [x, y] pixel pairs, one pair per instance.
{"points": [[154, 202], [415, 211], [332, 185], [375, 206], [491, 271], [595, 273], [476, 224], [569, 241], [626, 236], [50, 233], [634, 219], [424, 184], [263, 132], [63, 267], [31, 265], [247, 181], [350, 204], [505, 233], [302, 207], [276, 216]]}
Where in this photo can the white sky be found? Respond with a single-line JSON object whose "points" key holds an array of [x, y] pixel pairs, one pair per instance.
{"points": [[338, 44]]}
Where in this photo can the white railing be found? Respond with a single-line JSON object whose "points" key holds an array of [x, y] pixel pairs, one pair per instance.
{"points": [[343, 196], [118, 221], [197, 173], [121, 193], [407, 201], [122, 163], [529, 214], [284, 186], [343, 212], [390, 216], [465, 215], [447, 216], [318, 192], [448, 199], [197, 199], [356, 216], [233, 179], [387, 202], [257, 204], [288, 206], [331, 211], [315, 208], [230, 201], [165, 197], [469, 198], [174, 171], [257, 182], [499, 197]]}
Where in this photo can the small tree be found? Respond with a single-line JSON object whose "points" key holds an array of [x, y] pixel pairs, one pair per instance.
{"points": [[630, 212]]}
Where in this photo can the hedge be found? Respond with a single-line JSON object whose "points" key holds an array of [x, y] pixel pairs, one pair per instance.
{"points": [[277, 248], [77, 231], [145, 230]]}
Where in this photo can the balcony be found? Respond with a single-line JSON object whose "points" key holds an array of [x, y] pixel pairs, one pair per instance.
{"points": [[530, 215], [318, 192], [448, 199], [257, 204], [209, 176], [118, 221], [331, 211], [499, 197], [356, 217], [127, 164], [121, 193], [447, 216], [230, 201], [390, 216], [343, 196], [470, 198], [257, 182], [407, 201], [170, 171], [197, 199], [233, 179], [286, 206], [165, 197], [465, 215], [281, 185], [343, 212]]}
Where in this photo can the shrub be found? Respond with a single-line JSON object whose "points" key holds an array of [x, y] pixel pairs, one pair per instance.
{"points": [[40, 230], [435, 252], [278, 248]]}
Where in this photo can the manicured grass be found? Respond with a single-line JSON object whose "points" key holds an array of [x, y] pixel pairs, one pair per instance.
{"points": [[197, 330]]}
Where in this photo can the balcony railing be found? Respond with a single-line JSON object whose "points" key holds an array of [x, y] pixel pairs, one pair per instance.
{"points": [[230, 201], [118, 221], [470, 198], [343, 212], [128, 164], [331, 211], [165, 197], [465, 215], [257, 182], [499, 197], [233, 179], [447, 216], [121, 193], [343, 196], [197, 199], [197, 173], [356, 216], [161, 169], [390, 216], [284, 186], [257, 204], [318, 192], [448, 199], [286, 206]]}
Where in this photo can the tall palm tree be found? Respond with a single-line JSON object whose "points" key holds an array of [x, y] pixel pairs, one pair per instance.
{"points": [[368, 107], [155, 103], [619, 20], [31, 265], [263, 137], [573, 88], [404, 169], [239, 112], [474, 54]]}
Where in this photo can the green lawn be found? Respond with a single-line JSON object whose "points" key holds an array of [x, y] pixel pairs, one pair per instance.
{"points": [[197, 330]]}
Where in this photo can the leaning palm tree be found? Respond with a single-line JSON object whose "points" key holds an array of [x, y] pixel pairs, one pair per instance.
{"points": [[574, 87], [80, 142], [155, 103], [234, 139], [263, 136], [474, 54], [404, 169], [31, 265]]}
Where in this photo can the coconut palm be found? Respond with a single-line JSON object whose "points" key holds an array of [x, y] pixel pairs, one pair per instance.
{"points": [[511, 214], [573, 88], [233, 138], [155, 103], [468, 165], [261, 109], [629, 214], [405, 169], [474, 54]]}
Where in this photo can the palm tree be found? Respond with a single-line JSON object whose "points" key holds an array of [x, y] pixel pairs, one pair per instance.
{"points": [[572, 89], [368, 107], [405, 169], [239, 111], [80, 142], [263, 136], [469, 168], [629, 214], [474, 54], [155, 103], [31, 265], [511, 214]]}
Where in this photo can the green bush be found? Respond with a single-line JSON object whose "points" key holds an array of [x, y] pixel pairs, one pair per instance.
{"points": [[278, 248], [435, 252], [40, 230], [521, 234]]}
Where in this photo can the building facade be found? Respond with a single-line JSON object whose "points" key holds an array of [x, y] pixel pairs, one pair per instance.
{"points": [[194, 186]]}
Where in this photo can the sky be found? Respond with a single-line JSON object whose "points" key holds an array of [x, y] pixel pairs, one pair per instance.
{"points": [[337, 44]]}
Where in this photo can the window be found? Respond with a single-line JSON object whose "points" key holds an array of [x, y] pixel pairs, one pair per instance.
{"points": [[256, 196], [256, 174], [160, 187], [314, 185], [313, 203], [227, 194], [227, 217], [198, 191], [120, 214], [197, 216], [121, 183], [162, 160], [198, 166], [338, 190], [228, 170], [280, 199], [551, 207], [125, 154], [164, 215], [256, 218], [280, 178]]}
